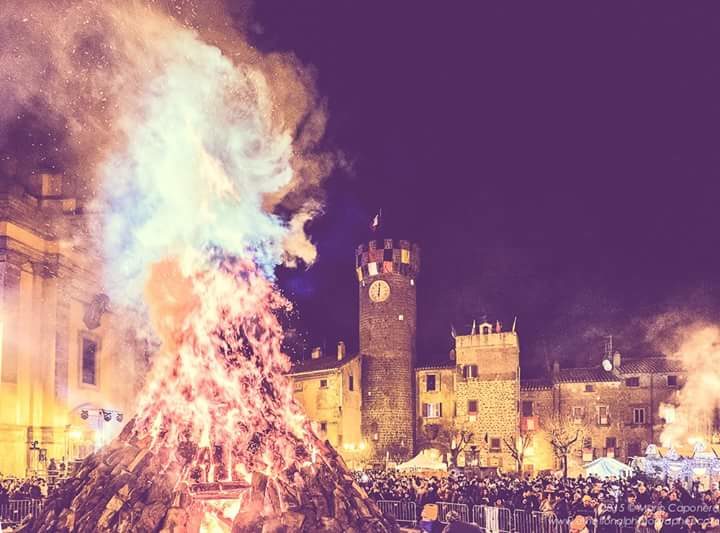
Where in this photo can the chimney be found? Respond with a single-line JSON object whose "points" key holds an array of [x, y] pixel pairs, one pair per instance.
{"points": [[341, 351], [556, 368], [316, 353], [616, 360]]}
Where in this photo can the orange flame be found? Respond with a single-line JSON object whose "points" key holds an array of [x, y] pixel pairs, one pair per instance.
{"points": [[217, 396]]}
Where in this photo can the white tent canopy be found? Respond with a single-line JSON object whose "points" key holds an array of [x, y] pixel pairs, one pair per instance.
{"points": [[607, 467], [430, 459]]}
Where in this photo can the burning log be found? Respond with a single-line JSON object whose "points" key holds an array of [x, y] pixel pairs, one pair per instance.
{"points": [[219, 443]]}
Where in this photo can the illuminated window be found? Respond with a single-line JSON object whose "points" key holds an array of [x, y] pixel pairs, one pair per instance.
{"points": [[88, 361], [603, 418], [472, 407], [632, 382], [323, 384], [298, 386], [432, 410], [430, 383]]}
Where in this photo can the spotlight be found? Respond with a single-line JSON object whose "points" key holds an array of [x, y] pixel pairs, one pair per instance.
{"points": [[107, 415], [119, 417], [84, 414]]}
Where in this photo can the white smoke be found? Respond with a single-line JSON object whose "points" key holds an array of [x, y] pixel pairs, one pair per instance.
{"points": [[693, 417], [187, 136]]}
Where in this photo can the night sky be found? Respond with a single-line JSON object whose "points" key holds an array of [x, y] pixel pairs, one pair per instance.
{"points": [[558, 163]]}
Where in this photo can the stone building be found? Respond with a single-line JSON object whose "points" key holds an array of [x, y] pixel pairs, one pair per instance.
{"points": [[62, 383], [475, 406]]}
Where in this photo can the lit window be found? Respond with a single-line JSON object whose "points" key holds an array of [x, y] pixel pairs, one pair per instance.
{"points": [[401, 317], [632, 382], [323, 384], [298, 386], [412, 282], [472, 407], [432, 410], [672, 381], [638, 415], [89, 361], [430, 383], [603, 419]]}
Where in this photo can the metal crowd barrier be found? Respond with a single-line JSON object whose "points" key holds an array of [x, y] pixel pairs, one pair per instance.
{"points": [[445, 507], [493, 519], [15, 511], [403, 512]]}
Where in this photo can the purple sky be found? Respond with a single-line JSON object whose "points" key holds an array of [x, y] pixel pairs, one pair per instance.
{"points": [[558, 163]]}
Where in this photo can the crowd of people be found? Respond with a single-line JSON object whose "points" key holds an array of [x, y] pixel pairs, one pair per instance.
{"points": [[636, 504], [12, 488]]}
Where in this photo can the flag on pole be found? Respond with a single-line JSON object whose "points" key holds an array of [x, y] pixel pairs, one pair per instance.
{"points": [[375, 224], [472, 331], [514, 324], [498, 326], [453, 333]]}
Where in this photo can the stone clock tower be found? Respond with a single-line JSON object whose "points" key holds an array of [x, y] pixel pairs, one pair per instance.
{"points": [[387, 273]]}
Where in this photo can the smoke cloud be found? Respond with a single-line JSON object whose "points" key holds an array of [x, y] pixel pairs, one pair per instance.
{"points": [[178, 131], [696, 413]]}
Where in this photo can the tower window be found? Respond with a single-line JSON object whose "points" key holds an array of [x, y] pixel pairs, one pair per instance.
{"points": [[470, 371], [472, 407], [89, 361], [351, 382], [401, 317], [432, 410], [323, 384], [672, 381], [430, 383]]}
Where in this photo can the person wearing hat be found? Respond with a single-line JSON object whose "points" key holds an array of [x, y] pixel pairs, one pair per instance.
{"points": [[455, 525]]}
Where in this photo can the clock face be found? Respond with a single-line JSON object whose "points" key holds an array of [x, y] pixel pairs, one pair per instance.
{"points": [[379, 291]]}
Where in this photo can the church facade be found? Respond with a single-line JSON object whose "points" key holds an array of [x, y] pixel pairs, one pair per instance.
{"points": [[476, 407], [67, 379]]}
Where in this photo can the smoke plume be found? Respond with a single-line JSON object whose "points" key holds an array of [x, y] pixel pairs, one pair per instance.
{"points": [[175, 128], [699, 398]]}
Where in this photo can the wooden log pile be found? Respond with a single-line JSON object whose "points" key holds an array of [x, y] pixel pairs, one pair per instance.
{"points": [[127, 488]]}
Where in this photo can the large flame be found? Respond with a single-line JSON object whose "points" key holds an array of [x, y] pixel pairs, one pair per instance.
{"points": [[193, 139]]}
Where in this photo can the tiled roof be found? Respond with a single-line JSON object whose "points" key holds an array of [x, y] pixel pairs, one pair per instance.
{"points": [[650, 365], [322, 363], [535, 384], [585, 375], [445, 365]]}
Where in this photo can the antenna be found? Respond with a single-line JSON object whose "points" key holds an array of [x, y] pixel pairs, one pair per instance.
{"points": [[608, 347]]}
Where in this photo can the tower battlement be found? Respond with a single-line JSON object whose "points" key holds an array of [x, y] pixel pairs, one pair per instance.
{"points": [[387, 256]]}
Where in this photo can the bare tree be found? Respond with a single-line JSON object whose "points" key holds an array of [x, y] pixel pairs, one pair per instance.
{"points": [[518, 447], [446, 438], [564, 435]]}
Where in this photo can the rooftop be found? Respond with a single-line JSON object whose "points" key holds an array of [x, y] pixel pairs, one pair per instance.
{"points": [[650, 365], [320, 364]]}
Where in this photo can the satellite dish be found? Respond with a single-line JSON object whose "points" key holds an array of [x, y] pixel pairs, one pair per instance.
{"points": [[607, 365]]}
